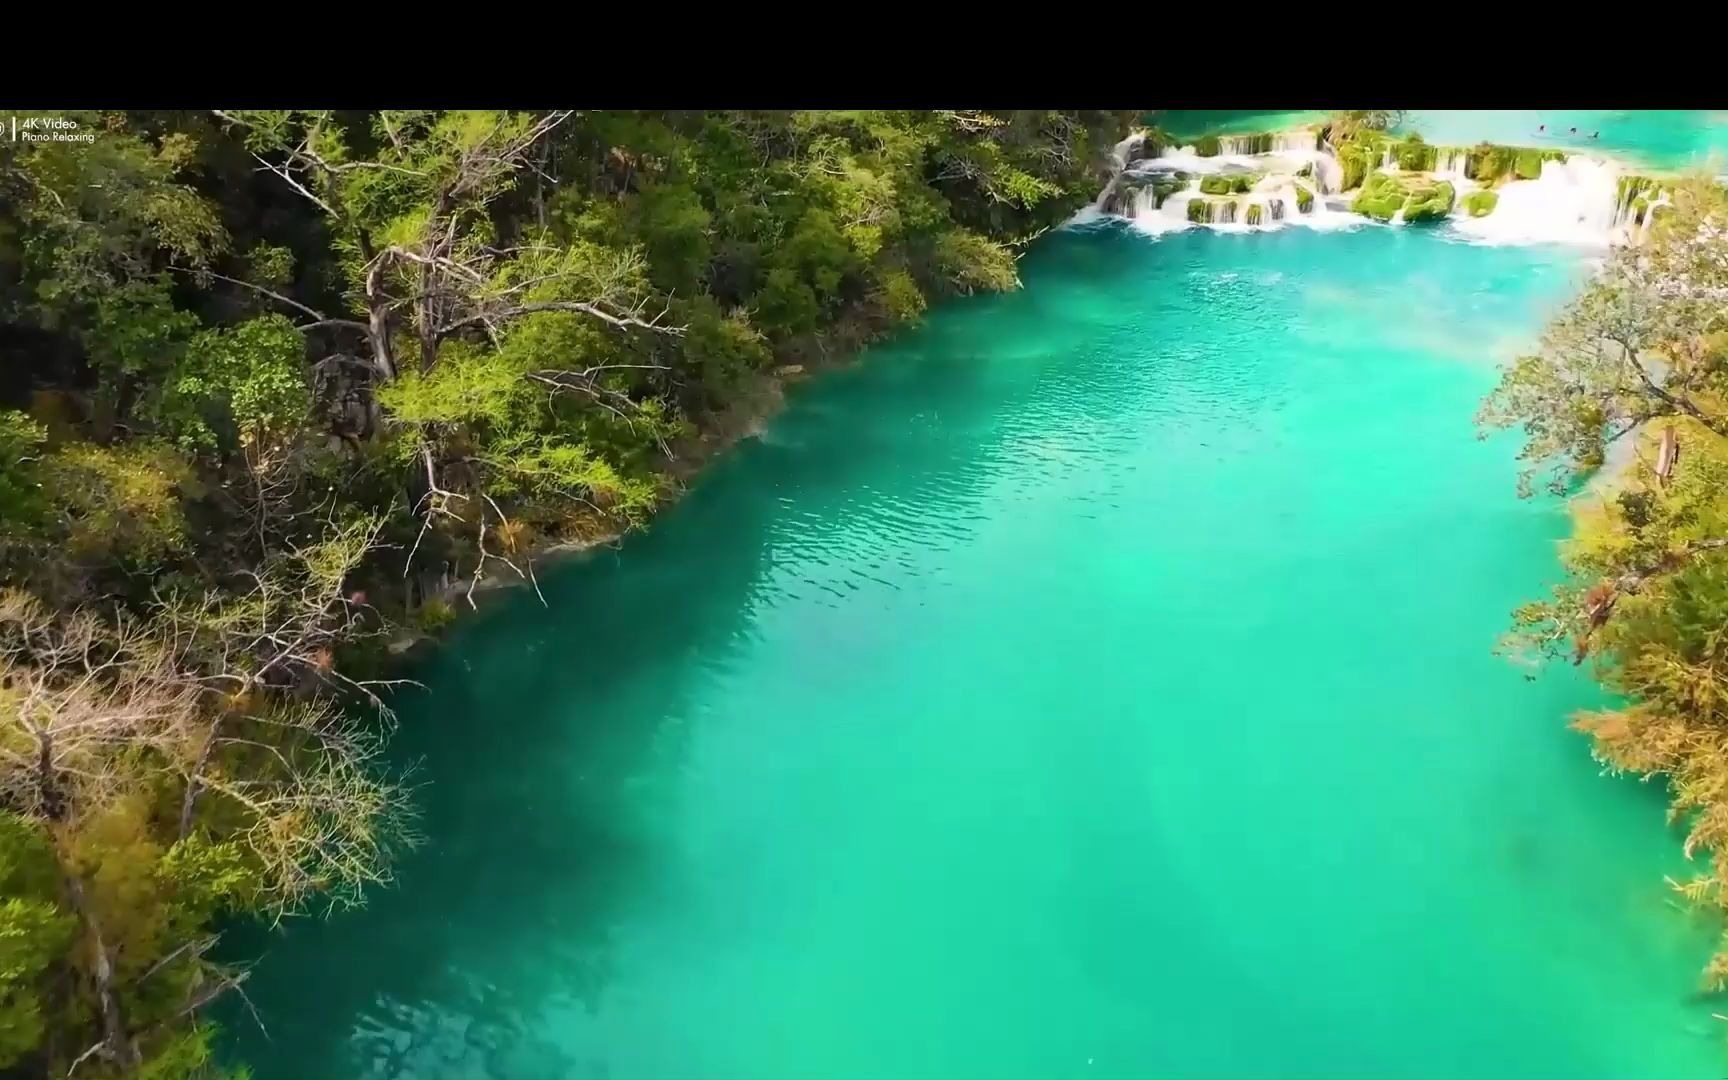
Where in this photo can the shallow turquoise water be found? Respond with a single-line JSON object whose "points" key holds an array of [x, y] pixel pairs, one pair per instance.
{"points": [[1093, 682], [1670, 139]]}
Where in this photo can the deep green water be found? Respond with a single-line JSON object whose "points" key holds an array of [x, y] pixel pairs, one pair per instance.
{"points": [[1094, 682]]}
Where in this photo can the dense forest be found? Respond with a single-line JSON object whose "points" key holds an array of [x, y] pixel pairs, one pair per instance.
{"points": [[283, 388], [1625, 405]]}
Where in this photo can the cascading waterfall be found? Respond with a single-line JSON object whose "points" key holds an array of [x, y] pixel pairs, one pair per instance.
{"points": [[1293, 181], [1575, 201]]}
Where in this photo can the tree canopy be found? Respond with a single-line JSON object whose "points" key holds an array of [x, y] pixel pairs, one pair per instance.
{"points": [[1630, 390], [283, 384]]}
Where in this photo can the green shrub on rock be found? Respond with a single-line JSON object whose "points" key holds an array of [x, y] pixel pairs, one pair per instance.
{"points": [[1414, 155], [1429, 203], [1480, 203], [1530, 161], [1353, 160], [1229, 183], [1381, 197]]}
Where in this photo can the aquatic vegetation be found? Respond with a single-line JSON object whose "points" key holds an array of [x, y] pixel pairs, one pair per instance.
{"points": [[1385, 195], [1480, 203]]}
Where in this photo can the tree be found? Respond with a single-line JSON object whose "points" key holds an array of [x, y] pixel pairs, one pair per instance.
{"points": [[283, 799], [1641, 355]]}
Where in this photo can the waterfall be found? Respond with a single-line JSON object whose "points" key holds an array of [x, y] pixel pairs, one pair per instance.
{"points": [[1328, 174], [1661, 199], [1576, 201], [1126, 148], [1157, 189]]}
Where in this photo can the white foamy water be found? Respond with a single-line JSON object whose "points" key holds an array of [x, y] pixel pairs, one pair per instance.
{"points": [[1575, 201], [1578, 201]]}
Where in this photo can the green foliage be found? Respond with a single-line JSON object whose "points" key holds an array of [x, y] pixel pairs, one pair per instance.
{"points": [[118, 502], [1488, 163], [1481, 203], [187, 1055], [1349, 124], [966, 262], [206, 878], [1358, 157], [1607, 363], [135, 329], [34, 933], [1385, 194], [786, 303], [21, 501], [434, 615], [1640, 354], [1429, 202], [1228, 183], [247, 382], [268, 399], [1414, 155], [900, 296], [1381, 197]]}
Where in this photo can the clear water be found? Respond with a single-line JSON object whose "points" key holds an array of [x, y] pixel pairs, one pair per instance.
{"points": [[1094, 682], [1668, 139]]}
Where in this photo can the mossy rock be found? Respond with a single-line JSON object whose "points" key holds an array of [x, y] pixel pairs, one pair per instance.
{"points": [[1414, 155], [1259, 142], [1480, 203], [1306, 170], [1429, 203], [1304, 199], [1254, 214], [1164, 187], [1206, 146], [1381, 197], [1384, 195], [1486, 163], [1357, 160], [1529, 166], [1229, 183], [1197, 211], [1489, 163]]}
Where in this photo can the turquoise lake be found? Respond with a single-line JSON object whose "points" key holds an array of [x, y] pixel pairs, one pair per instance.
{"points": [[1665, 139], [1096, 681]]}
